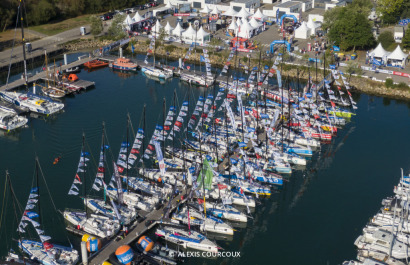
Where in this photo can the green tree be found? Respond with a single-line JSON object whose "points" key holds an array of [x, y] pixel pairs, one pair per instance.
{"points": [[96, 25], [390, 10], [386, 38], [116, 29], [41, 13], [348, 28], [406, 39]]}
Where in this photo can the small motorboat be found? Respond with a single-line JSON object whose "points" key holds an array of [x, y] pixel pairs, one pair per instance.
{"points": [[124, 64], [72, 70], [95, 64]]}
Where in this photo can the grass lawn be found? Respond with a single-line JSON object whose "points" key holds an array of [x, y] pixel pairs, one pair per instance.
{"points": [[53, 28]]}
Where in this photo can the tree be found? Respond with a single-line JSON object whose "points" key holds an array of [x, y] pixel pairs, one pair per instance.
{"points": [[406, 39], [41, 13], [386, 38], [116, 29], [96, 25], [390, 10], [348, 28]]}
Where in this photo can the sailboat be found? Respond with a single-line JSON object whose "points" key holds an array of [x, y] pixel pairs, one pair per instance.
{"points": [[43, 251], [154, 70], [93, 224], [9, 119]]}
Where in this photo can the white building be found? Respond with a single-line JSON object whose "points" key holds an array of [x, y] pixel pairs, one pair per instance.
{"points": [[288, 7], [250, 5], [398, 33], [334, 3]]}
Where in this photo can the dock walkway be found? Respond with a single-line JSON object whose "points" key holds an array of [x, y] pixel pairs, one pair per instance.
{"points": [[136, 232]]}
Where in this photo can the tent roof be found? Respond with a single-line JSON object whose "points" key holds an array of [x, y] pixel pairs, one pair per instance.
{"points": [[169, 5], [178, 30], [157, 27], [205, 9], [243, 13], [238, 22], [128, 21], [311, 24], [138, 17], [259, 15], [397, 54], [168, 27], [379, 51], [303, 27], [202, 33], [255, 23], [215, 11], [245, 29], [189, 32], [230, 12], [233, 25]]}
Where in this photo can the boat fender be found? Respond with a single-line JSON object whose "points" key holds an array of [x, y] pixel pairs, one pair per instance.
{"points": [[78, 227]]}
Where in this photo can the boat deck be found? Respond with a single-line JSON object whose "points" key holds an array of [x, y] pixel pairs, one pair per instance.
{"points": [[83, 84], [13, 106]]}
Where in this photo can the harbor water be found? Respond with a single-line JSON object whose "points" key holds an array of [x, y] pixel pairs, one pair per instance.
{"points": [[314, 219]]}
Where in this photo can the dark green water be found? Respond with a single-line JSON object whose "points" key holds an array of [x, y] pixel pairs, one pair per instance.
{"points": [[314, 219]]}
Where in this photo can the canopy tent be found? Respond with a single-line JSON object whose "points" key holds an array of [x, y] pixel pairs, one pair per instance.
{"points": [[313, 26], [233, 25], [127, 22], [245, 30], [169, 5], [157, 28], [230, 12], [255, 24], [215, 11], [189, 35], [168, 28], [397, 57], [243, 13], [303, 31], [205, 10], [178, 30], [259, 15], [379, 52], [203, 36], [138, 18], [163, 10], [238, 22]]}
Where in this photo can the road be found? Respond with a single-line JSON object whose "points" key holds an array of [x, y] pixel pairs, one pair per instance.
{"points": [[49, 43]]}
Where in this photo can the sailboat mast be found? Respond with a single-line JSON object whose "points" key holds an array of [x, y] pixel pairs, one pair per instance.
{"points": [[257, 90], [103, 155], [143, 140], [173, 122], [23, 45], [38, 190], [84, 179], [163, 125], [213, 125], [126, 169], [155, 44]]}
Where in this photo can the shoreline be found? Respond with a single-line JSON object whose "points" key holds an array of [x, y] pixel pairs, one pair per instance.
{"points": [[358, 83]]}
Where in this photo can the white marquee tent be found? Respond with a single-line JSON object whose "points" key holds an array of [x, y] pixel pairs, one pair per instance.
{"points": [[255, 24], [233, 25], [259, 16], [178, 30], [246, 30], [215, 11], [379, 53], [202, 36], [189, 35], [243, 13], [206, 10], [127, 22], [313, 25], [303, 32], [138, 18], [230, 12], [168, 29], [397, 57], [157, 29]]}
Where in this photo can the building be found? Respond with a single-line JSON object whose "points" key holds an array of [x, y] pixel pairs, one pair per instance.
{"points": [[288, 7], [237, 5], [398, 33], [334, 3]]}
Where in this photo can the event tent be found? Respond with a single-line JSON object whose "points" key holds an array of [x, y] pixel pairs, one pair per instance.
{"points": [[168, 28], [238, 22], [128, 22], [255, 24], [303, 31], [178, 30], [243, 13], [206, 10], [313, 26], [233, 25], [246, 30], [230, 12], [157, 28], [190, 35], [259, 15], [379, 52], [203, 36], [215, 11], [397, 57], [138, 18]]}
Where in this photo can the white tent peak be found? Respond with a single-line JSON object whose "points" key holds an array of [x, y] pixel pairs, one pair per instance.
{"points": [[128, 21], [206, 9], [169, 5], [168, 28], [379, 52], [233, 25], [202, 33], [259, 15], [311, 24], [243, 13], [397, 54], [255, 23], [178, 30], [215, 11], [137, 17], [230, 12], [157, 27]]}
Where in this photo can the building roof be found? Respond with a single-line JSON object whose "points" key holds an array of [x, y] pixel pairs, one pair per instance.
{"points": [[288, 4]]}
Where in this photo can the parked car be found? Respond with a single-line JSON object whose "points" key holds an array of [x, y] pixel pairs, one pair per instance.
{"points": [[153, 4], [107, 16], [128, 11], [147, 5]]}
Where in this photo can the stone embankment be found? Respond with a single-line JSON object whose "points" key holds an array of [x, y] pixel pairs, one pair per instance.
{"points": [[174, 52]]}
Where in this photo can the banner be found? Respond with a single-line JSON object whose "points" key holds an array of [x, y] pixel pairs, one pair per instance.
{"points": [[160, 158]]}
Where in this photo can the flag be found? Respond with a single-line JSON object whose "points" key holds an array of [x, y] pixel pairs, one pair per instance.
{"points": [[207, 171], [132, 48], [221, 186], [200, 201], [160, 158]]}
